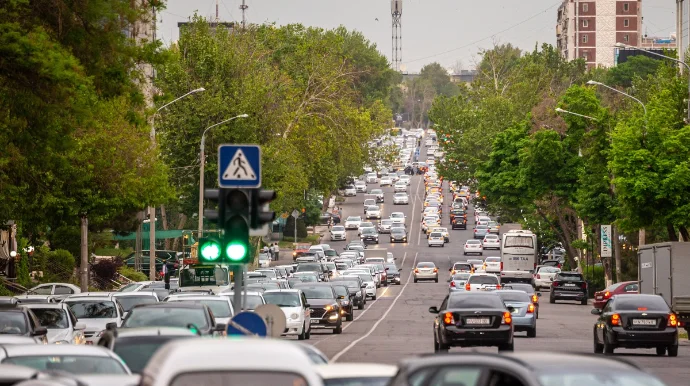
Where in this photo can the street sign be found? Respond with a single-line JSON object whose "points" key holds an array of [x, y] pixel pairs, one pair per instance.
{"points": [[239, 166], [247, 323], [606, 245], [295, 213], [274, 318]]}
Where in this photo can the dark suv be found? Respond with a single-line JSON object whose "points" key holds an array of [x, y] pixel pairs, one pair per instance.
{"points": [[569, 286], [324, 304]]}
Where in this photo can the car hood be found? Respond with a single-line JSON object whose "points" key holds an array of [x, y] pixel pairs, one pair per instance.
{"points": [[98, 325], [110, 380], [320, 302], [58, 334]]}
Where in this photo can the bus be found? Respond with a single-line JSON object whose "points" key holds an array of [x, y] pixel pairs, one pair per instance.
{"points": [[518, 256], [204, 278]]}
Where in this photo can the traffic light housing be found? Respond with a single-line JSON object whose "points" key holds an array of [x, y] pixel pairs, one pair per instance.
{"points": [[261, 213], [209, 251], [236, 211], [217, 196]]}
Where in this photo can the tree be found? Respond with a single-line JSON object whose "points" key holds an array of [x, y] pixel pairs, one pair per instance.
{"points": [[636, 66]]}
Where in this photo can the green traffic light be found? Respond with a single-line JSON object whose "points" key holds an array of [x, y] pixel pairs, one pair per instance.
{"points": [[210, 251], [236, 251]]}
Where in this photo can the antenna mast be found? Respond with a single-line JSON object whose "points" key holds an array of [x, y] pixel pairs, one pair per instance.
{"points": [[396, 13], [244, 7], [217, 15]]}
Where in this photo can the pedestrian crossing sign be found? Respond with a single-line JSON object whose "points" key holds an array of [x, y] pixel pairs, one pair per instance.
{"points": [[239, 166]]}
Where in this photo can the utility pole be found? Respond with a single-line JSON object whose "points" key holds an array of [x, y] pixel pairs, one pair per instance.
{"points": [[243, 8], [84, 265]]}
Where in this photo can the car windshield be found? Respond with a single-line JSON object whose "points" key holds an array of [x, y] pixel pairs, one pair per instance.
{"points": [[338, 228], [514, 297], [483, 280], [436, 234], [341, 290], [461, 276], [563, 376], [397, 215], [93, 309], [640, 303], [137, 351], [372, 208], [426, 265], [549, 270], [282, 299], [129, 287], [52, 318], [252, 300], [269, 273], [391, 268], [527, 288], [462, 266], [354, 218], [493, 260], [317, 292], [77, 364], [475, 302], [219, 307], [12, 322], [166, 317], [377, 191], [351, 284], [473, 242], [368, 231], [367, 225], [364, 276], [128, 302], [491, 237], [481, 227], [398, 230], [401, 195], [309, 268]]}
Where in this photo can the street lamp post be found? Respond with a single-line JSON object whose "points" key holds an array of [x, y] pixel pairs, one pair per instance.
{"points": [[644, 108], [560, 110], [621, 45], [202, 161], [152, 209]]}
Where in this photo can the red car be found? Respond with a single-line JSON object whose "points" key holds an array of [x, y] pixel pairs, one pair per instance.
{"points": [[622, 288]]}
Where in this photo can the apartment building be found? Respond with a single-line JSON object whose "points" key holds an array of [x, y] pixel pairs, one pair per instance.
{"points": [[589, 29]]}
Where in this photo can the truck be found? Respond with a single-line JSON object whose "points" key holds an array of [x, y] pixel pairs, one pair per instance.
{"points": [[664, 269], [377, 252]]}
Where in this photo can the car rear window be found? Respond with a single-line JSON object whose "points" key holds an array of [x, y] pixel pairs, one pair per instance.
{"points": [[640, 303], [490, 280], [514, 297], [493, 259], [570, 276], [426, 265], [475, 301]]}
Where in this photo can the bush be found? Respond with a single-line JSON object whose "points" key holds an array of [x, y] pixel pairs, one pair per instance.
{"points": [[61, 264], [131, 274], [289, 230], [594, 275], [67, 237]]}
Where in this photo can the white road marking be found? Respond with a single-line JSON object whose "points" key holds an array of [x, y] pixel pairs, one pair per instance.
{"points": [[383, 317]]}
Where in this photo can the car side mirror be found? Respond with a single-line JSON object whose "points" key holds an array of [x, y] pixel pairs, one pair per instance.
{"points": [[364, 286], [433, 310], [40, 331], [111, 326], [539, 294], [220, 327], [387, 269], [595, 311], [511, 309], [80, 326], [307, 305], [450, 269], [341, 297]]}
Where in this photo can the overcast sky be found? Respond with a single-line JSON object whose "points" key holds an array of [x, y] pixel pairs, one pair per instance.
{"points": [[445, 31]]}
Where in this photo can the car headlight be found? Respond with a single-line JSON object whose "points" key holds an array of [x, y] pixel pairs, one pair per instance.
{"points": [[294, 316], [62, 342]]}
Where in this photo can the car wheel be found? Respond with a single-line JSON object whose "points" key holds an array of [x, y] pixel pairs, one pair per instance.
{"points": [[608, 347], [661, 351], [598, 347], [583, 302], [373, 297], [532, 333], [464, 253], [338, 330], [415, 280], [302, 335], [436, 348], [360, 306], [349, 317], [552, 300], [673, 350]]}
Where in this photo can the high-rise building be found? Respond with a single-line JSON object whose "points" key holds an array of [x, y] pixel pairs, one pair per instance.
{"points": [[589, 29]]}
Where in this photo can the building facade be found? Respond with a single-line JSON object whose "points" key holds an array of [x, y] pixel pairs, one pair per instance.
{"points": [[589, 29]]}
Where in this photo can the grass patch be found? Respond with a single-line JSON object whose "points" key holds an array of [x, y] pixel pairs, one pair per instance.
{"points": [[339, 199], [113, 252], [288, 242], [683, 335]]}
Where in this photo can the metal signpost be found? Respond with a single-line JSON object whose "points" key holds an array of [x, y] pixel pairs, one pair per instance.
{"points": [[606, 244], [247, 324], [274, 318]]}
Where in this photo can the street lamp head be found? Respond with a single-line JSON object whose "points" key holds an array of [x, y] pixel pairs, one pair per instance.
{"points": [[243, 116], [620, 45], [593, 82], [200, 89], [559, 110]]}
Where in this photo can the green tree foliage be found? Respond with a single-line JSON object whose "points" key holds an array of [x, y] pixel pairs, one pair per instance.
{"points": [[638, 66], [315, 98]]}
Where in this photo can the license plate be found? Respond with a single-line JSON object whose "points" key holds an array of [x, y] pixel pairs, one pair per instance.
{"points": [[314, 321], [644, 322], [569, 285], [599, 297], [477, 321]]}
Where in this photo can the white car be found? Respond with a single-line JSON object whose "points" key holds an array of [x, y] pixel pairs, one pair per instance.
{"points": [[491, 241], [493, 264], [397, 217], [353, 222], [394, 177], [436, 239], [385, 225], [368, 202], [483, 220], [62, 325], [221, 306], [338, 233], [293, 303], [264, 260], [472, 246], [482, 282], [368, 280], [373, 211], [351, 191], [386, 181], [400, 187], [364, 225], [372, 178], [355, 373], [361, 187], [401, 199], [406, 179], [95, 310], [543, 277]]}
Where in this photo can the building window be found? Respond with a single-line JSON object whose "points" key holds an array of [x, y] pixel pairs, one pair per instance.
{"points": [[585, 56], [626, 38], [585, 23], [626, 23], [626, 7], [584, 38], [585, 7]]}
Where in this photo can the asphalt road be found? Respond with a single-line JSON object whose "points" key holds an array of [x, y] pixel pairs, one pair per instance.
{"points": [[398, 324]]}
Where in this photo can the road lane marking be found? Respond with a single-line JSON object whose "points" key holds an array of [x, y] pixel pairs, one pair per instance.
{"points": [[383, 317], [378, 297]]}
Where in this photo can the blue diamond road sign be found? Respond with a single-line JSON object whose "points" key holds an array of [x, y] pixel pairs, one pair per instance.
{"points": [[247, 323], [239, 166]]}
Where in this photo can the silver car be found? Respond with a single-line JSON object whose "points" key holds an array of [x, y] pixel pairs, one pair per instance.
{"points": [[491, 241], [372, 212], [338, 233], [401, 199], [458, 281], [426, 270], [351, 190], [480, 231], [385, 226]]}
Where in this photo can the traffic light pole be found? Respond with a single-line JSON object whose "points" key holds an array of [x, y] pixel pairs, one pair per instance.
{"points": [[238, 278]]}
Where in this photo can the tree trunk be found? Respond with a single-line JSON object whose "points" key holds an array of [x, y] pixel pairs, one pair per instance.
{"points": [[671, 232], [164, 220], [84, 266], [180, 225], [617, 254], [684, 233]]}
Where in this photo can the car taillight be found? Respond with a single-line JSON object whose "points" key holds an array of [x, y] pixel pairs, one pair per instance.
{"points": [[535, 299], [435, 269], [467, 287], [538, 276], [448, 318], [416, 270], [501, 266], [507, 318], [535, 266], [672, 320], [555, 283], [530, 309], [452, 284], [452, 272], [584, 285], [607, 294], [498, 286], [475, 231], [615, 320]]}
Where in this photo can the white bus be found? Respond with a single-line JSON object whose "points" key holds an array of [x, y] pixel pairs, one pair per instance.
{"points": [[518, 256]]}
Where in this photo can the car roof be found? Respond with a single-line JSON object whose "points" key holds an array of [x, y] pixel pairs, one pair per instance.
{"points": [[15, 373], [134, 293], [174, 298], [288, 290], [59, 306], [54, 349], [355, 370], [170, 305], [154, 331]]}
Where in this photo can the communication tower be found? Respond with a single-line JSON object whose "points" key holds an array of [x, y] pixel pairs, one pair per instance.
{"points": [[396, 13]]}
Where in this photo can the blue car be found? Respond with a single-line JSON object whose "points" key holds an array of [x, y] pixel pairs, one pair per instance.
{"points": [[524, 313]]}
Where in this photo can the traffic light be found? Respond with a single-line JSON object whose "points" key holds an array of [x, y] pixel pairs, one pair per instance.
{"points": [[236, 204], [209, 250], [215, 215], [261, 213]]}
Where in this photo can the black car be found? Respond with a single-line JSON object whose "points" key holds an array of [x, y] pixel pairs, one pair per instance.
{"points": [[569, 286], [398, 235], [18, 320], [197, 317], [471, 319], [324, 305], [356, 288], [393, 273], [136, 346], [369, 235], [347, 302], [458, 223], [636, 321]]}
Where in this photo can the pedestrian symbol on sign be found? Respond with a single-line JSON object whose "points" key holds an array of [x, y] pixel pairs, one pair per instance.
{"points": [[239, 168]]}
